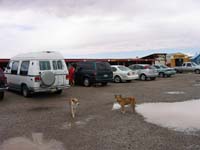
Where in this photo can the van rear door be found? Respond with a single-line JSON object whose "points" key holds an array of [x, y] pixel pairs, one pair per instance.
{"points": [[104, 72], [60, 71]]}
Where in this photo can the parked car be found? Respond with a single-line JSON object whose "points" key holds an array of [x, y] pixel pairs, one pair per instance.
{"points": [[88, 73], [188, 67], [144, 71], [122, 74], [2, 84], [164, 71], [37, 72]]}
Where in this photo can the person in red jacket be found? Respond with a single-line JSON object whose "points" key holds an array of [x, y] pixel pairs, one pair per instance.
{"points": [[71, 74]]}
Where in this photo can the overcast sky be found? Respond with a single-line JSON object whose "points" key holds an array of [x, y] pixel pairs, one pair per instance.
{"points": [[93, 27]]}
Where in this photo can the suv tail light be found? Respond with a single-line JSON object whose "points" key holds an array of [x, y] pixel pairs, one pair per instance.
{"points": [[37, 78]]}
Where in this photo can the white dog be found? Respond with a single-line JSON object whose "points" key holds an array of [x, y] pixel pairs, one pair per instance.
{"points": [[73, 102]]}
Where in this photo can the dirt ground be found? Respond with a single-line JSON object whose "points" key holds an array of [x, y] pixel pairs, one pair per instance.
{"points": [[44, 119]]}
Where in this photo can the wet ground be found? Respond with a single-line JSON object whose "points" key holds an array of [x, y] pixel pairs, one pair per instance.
{"points": [[44, 120]]}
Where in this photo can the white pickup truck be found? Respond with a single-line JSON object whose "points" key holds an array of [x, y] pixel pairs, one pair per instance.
{"points": [[188, 67]]}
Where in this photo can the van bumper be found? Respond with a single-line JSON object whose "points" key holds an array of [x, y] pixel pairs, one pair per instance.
{"points": [[49, 89]]}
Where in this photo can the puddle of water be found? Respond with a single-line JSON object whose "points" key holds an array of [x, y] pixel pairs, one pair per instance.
{"points": [[37, 143], [175, 92], [180, 116], [197, 84]]}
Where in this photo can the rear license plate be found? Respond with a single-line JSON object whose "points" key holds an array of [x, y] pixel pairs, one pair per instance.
{"points": [[105, 75]]}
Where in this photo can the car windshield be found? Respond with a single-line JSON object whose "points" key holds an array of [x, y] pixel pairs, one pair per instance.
{"points": [[123, 68]]}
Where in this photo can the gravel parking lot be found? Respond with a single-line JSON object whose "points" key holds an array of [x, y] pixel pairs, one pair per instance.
{"points": [[44, 119]]}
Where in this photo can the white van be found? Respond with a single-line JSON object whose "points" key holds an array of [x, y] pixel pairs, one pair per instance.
{"points": [[37, 72]]}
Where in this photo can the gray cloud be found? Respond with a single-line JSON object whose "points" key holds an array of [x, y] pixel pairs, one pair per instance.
{"points": [[116, 25]]}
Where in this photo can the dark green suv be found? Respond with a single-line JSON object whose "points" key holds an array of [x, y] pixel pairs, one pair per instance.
{"points": [[88, 73]]}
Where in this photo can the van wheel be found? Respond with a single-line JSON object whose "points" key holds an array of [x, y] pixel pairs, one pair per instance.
{"points": [[117, 79], [1, 96], [86, 82], [143, 77], [25, 91], [58, 92]]}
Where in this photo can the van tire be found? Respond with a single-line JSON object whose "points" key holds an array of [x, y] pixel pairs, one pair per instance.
{"points": [[86, 82], [25, 91], [117, 79], [48, 78], [1, 96], [58, 92]]}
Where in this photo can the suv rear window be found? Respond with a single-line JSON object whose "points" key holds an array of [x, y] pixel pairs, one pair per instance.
{"points": [[103, 66], [45, 65]]}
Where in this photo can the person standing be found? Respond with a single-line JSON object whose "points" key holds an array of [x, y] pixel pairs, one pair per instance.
{"points": [[71, 74]]}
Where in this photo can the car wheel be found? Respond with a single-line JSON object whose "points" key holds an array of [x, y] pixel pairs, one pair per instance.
{"points": [[143, 77], [104, 83], [58, 92], [86, 82], [1, 96], [161, 74], [25, 91], [117, 79], [197, 71]]}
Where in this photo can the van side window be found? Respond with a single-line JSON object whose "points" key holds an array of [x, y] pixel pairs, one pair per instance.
{"points": [[24, 68], [60, 65], [45, 65], [55, 65], [15, 66]]}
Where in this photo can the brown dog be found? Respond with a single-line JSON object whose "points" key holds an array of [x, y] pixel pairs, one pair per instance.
{"points": [[73, 102], [125, 101]]}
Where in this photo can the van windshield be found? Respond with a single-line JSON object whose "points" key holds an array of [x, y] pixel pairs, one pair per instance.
{"points": [[45, 65], [103, 66]]}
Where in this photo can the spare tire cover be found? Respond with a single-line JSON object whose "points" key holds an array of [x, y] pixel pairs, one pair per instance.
{"points": [[48, 78]]}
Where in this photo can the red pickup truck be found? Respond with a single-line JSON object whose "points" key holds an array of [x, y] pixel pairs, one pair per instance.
{"points": [[3, 82]]}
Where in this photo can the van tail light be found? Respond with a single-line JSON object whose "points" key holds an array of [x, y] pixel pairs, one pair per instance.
{"points": [[67, 76], [37, 78]]}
